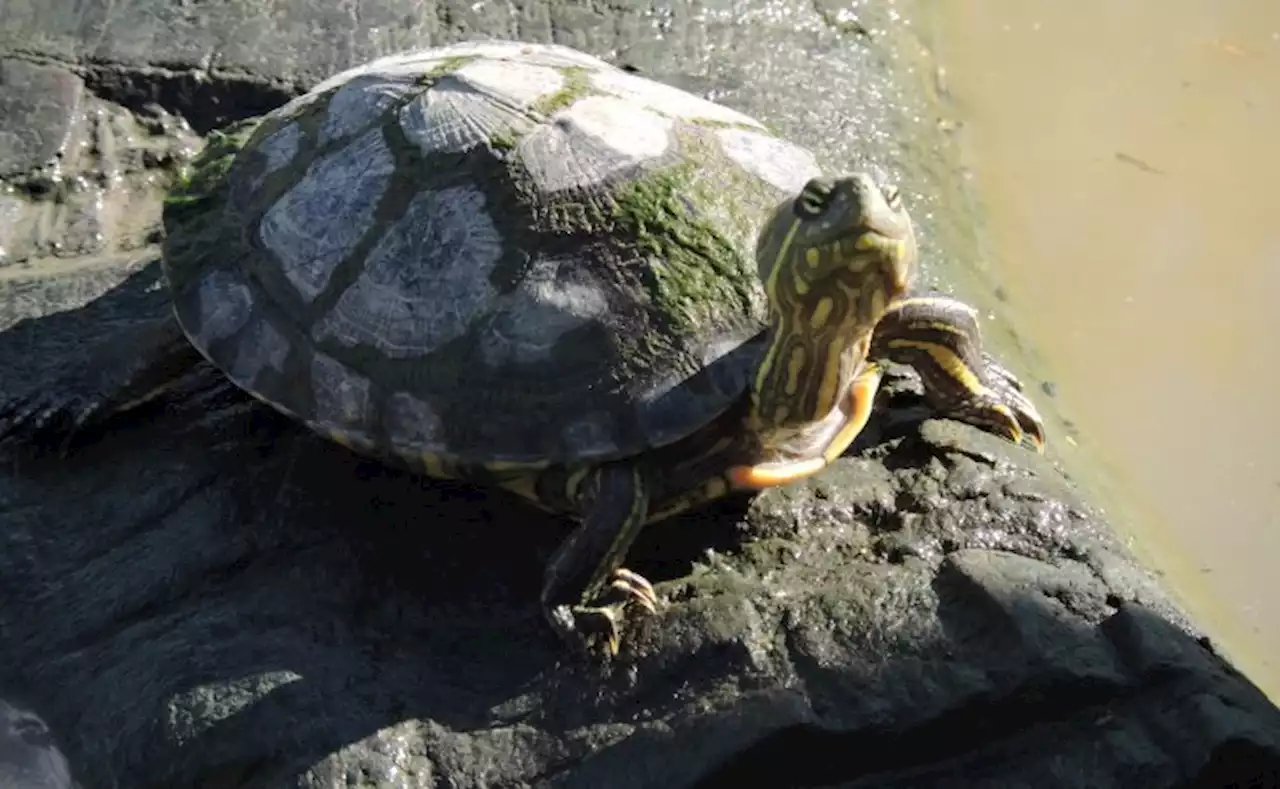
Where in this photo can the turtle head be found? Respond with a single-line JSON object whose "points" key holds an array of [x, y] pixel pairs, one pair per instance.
{"points": [[831, 260]]}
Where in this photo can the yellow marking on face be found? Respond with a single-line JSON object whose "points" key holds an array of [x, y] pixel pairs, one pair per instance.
{"points": [[863, 395], [339, 438], [813, 257], [947, 359], [784, 250], [433, 465], [821, 312], [802, 287], [868, 241], [878, 302], [813, 200], [772, 287], [768, 475], [795, 365]]}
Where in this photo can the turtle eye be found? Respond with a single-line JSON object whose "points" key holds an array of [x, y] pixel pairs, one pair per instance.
{"points": [[813, 199], [892, 196]]}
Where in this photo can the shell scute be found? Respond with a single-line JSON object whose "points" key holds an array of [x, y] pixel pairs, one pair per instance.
{"points": [[488, 253], [316, 225], [260, 347], [343, 397], [408, 310], [473, 105]]}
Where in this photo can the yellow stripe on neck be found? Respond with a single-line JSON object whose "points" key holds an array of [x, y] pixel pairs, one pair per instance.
{"points": [[771, 287]]}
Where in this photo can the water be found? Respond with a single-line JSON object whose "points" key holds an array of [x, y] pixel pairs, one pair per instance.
{"points": [[1127, 155]]}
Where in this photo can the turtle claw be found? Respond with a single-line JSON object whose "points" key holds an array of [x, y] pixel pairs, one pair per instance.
{"points": [[599, 627], [589, 628], [1032, 427], [637, 587], [1004, 410], [1022, 415]]}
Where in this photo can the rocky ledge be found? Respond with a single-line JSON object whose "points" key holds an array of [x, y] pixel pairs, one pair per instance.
{"points": [[204, 594]]}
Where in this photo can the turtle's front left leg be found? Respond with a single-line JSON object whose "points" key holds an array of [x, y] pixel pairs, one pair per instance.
{"points": [[940, 338], [586, 591], [121, 373]]}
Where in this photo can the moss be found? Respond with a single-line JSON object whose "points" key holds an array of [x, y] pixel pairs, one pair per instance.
{"points": [[195, 234], [576, 85], [503, 140], [207, 172], [446, 66], [698, 272]]}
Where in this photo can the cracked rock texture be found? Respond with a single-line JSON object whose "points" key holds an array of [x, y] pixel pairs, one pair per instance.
{"points": [[205, 595]]}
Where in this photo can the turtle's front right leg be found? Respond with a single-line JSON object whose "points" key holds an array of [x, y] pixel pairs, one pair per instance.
{"points": [[941, 339], [123, 372], [586, 591]]}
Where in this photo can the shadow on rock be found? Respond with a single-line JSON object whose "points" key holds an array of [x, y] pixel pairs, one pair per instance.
{"points": [[44, 347]]}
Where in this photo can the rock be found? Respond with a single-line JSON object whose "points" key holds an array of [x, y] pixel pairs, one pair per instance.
{"points": [[204, 593], [80, 178]]}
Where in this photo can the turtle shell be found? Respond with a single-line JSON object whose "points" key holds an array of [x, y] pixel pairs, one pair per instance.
{"points": [[491, 252]]}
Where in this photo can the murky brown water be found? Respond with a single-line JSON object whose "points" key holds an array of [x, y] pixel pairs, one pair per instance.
{"points": [[1127, 154]]}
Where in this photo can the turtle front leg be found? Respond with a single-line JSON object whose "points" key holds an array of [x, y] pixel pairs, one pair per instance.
{"points": [[121, 373], [586, 593], [940, 338]]}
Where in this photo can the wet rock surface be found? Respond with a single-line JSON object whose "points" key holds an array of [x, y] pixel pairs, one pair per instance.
{"points": [[203, 594]]}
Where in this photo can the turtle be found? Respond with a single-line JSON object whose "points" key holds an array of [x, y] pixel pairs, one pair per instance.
{"points": [[518, 265]]}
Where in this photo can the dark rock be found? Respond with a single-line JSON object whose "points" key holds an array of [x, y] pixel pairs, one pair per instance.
{"points": [[204, 594]]}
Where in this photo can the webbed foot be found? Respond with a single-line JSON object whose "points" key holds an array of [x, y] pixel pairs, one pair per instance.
{"points": [[940, 338]]}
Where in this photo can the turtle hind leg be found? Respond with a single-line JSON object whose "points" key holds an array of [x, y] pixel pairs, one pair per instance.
{"points": [[940, 338], [121, 373], [587, 593]]}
